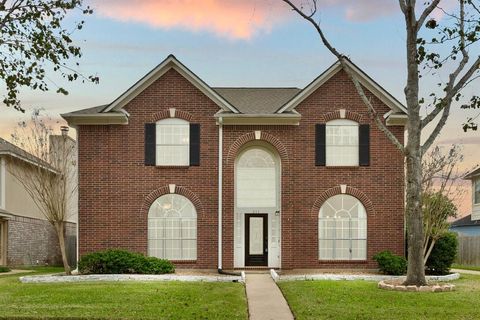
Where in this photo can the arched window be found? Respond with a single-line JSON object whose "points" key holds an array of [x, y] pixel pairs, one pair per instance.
{"points": [[172, 228], [173, 142], [341, 145], [256, 179], [342, 229]]}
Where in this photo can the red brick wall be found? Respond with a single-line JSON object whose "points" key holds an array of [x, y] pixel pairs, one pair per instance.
{"points": [[115, 184]]}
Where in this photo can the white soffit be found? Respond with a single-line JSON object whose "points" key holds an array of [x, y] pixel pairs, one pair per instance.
{"points": [[364, 79], [169, 63]]}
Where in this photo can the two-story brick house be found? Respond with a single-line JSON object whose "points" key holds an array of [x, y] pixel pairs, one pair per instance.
{"points": [[238, 177]]}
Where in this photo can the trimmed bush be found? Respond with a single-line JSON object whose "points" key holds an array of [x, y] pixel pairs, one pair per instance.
{"points": [[4, 269], [115, 261], [390, 263], [443, 255]]}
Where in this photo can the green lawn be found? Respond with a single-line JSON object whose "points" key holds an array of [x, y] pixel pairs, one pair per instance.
{"points": [[146, 300], [459, 266], [363, 300]]}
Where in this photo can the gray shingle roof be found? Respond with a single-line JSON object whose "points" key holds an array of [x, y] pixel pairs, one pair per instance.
{"points": [[465, 221], [9, 148], [246, 100], [257, 100]]}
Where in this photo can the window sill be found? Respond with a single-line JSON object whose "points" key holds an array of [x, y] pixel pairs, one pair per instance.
{"points": [[344, 167], [343, 261], [172, 167], [183, 261]]}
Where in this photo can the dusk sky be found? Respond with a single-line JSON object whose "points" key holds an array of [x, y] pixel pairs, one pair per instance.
{"points": [[235, 43]]}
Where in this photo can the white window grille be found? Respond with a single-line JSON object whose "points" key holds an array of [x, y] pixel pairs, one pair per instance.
{"points": [[342, 229], [173, 142], [172, 228], [341, 145]]}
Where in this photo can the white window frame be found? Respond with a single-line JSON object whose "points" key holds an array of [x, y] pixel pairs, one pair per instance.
{"points": [[178, 149], [167, 216], [350, 151], [361, 217]]}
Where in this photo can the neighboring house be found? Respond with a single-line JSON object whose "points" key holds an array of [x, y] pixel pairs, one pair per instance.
{"points": [[242, 177], [26, 237], [470, 225]]}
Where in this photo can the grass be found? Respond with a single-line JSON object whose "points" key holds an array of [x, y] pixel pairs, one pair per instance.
{"points": [[120, 300], [363, 300], [459, 266]]}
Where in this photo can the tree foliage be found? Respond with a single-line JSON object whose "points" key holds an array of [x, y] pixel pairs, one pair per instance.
{"points": [[34, 38]]}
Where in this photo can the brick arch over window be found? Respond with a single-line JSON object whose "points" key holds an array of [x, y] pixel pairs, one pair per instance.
{"points": [[337, 190], [154, 195], [264, 136], [350, 115], [165, 114]]}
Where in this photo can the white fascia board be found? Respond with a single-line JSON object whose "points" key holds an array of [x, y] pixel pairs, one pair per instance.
{"points": [[397, 120], [96, 118], [14, 155], [363, 78], [169, 63]]}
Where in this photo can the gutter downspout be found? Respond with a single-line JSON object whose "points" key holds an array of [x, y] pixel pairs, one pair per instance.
{"points": [[220, 198], [220, 191]]}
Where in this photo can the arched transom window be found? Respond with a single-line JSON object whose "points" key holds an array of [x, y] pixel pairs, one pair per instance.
{"points": [[341, 145], [172, 228], [256, 179], [342, 229]]}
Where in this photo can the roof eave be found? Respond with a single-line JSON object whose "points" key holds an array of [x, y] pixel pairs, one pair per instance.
{"points": [[171, 62], [396, 120], [292, 119], [96, 119], [364, 79]]}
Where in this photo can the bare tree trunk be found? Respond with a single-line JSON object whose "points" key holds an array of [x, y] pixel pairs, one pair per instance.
{"points": [[430, 248], [60, 229], [414, 217]]}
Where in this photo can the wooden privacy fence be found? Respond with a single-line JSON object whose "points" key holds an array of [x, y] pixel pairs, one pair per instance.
{"points": [[468, 250]]}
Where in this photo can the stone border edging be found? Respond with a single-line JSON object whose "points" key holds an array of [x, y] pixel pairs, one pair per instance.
{"points": [[331, 276], [400, 287], [127, 277]]}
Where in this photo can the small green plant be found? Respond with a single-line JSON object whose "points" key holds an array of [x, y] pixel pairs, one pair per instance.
{"points": [[390, 263], [443, 255], [4, 269], [115, 261]]}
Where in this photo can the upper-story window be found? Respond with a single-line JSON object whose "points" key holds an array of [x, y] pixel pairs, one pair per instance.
{"points": [[476, 196], [172, 142], [341, 143]]}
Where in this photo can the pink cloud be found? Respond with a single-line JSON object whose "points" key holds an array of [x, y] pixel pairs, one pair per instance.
{"points": [[237, 19], [228, 18]]}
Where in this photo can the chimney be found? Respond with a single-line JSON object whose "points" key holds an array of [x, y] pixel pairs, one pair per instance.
{"points": [[64, 130]]}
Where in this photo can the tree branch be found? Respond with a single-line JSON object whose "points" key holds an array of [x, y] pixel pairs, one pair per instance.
{"points": [[343, 61], [428, 10]]}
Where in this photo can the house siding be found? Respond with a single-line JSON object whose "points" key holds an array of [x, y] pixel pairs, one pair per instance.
{"points": [[116, 188]]}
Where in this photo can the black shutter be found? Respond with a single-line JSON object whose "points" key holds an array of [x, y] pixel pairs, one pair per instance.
{"points": [[320, 144], [150, 143], [194, 144], [364, 144]]}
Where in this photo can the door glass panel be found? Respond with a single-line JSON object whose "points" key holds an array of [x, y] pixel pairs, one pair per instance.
{"points": [[256, 235]]}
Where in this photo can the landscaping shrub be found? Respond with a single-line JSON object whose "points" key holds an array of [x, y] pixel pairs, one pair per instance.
{"points": [[121, 261], [443, 255], [391, 264], [4, 269]]}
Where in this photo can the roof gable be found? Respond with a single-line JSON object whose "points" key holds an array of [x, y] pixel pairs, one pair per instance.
{"points": [[171, 62], [364, 79]]}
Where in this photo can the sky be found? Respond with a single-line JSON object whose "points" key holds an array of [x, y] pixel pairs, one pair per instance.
{"points": [[235, 43]]}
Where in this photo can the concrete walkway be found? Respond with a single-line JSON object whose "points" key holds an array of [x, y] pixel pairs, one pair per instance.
{"points": [[466, 271], [265, 300]]}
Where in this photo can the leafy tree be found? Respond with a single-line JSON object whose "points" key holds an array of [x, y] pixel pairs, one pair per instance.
{"points": [[431, 46], [33, 37], [49, 174]]}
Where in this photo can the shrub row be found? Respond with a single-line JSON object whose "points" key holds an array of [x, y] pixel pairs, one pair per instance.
{"points": [[115, 261]]}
